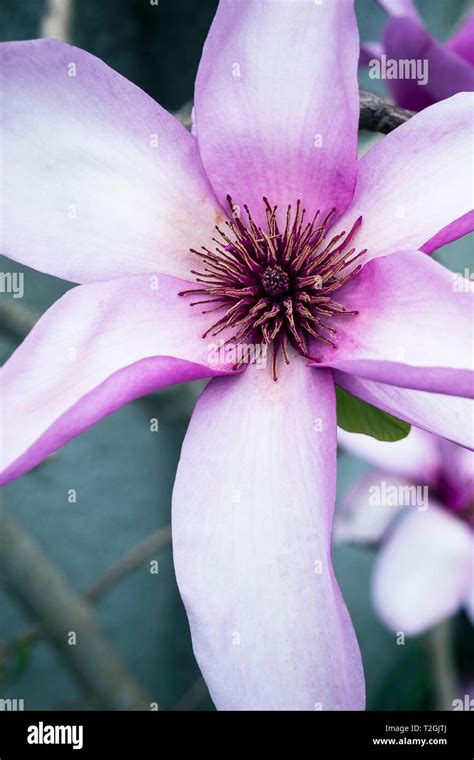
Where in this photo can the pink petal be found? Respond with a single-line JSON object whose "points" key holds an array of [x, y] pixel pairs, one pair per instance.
{"points": [[415, 181], [469, 600], [447, 416], [462, 42], [358, 519], [423, 572], [100, 346], [464, 460], [457, 475], [252, 513], [451, 232], [86, 194], [414, 457], [460, 461], [369, 51], [447, 73], [401, 8], [277, 103], [413, 329]]}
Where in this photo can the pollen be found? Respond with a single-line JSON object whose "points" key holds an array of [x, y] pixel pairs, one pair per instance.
{"points": [[272, 286]]}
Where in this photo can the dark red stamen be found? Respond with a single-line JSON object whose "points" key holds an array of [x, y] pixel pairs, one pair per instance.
{"points": [[274, 286]]}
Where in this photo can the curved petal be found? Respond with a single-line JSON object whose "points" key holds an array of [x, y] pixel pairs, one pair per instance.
{"points": [[401, 8], [416, 181], [451, 232], [413, 329], [445, 73], [415, 457], [459, 462], [447, 416], [277, 103], [464, 461], [369, 51], [422, 574], [457, 476], [469, 600], [462, 42], [100, 346], [98, 181], [362, 517], [252, 513]]}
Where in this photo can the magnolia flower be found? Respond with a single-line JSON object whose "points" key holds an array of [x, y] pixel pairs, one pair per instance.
{"points": [[419, 503], [102, 187], [448, 66]]}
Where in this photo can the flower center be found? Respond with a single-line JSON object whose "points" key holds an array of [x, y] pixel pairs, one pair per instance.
{"points": [[275, 286], [275, 281]]}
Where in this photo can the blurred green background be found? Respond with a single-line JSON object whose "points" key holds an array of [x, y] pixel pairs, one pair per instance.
{"points": [[122, 472]]}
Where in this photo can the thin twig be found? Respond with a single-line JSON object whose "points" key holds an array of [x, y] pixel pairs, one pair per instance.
{"points": [[376, 115], [184, 114], [56, 21], [444, 667], [66, 619], [16, 318], [130, 561], [193, 697]]}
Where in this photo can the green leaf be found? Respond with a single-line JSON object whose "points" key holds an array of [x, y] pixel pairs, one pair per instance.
{"points": [[357, 416]]}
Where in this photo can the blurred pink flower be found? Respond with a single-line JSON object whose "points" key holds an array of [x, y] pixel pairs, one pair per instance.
{"points": [[104, 188], [450, 64], [424, 570]]}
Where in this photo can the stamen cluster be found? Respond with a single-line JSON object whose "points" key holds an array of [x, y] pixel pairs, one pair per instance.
{"points": [[275, 287]]}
